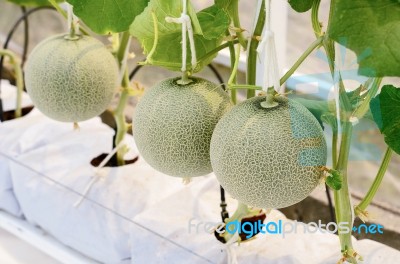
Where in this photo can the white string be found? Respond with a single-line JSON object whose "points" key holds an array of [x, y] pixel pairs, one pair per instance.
{"points": [[191, 41], [267, 44], [184, 4], [268, 14], [71, 18], [184, 48], [337, 80], [97, 176], [187, 29], [77, 28]]}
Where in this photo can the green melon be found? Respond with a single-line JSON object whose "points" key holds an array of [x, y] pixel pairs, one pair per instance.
{"points": [[268, 158], [173, 125], [71, 80]]}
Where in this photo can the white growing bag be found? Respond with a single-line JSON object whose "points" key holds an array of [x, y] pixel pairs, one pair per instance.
{"points": [[136, 214], [52, 172], [165, 228], [9, 134]]}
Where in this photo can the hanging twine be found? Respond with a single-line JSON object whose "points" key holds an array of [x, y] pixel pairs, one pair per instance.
{"points": [[187, 29], [267, 44], [72, 20], [97, 174]]}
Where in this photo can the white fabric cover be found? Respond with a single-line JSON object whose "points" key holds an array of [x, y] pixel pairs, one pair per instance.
{"points": [[170, 240], [53, 169], [138, 215], [9, 134]]}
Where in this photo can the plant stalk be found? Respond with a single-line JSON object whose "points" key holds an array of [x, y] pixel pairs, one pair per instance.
{"points": [[344, 215], [236, 23], [252, 52], [232, 78], [64, 14], [216, 50], [233, 58], [314, 18], [119, 117], [364, 107], [317, 43], [343, 210], [118, 114], [334, 147], [19, 79], [362, 206]]}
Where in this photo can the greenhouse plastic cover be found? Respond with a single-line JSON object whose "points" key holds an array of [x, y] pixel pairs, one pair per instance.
{"points": [[134, 213]]}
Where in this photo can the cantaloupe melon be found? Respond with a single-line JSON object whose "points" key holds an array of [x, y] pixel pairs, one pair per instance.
{"points": [[268, 157], [173, 124], [71, 80]]}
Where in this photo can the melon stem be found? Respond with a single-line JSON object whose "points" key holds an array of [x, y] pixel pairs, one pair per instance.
{"points": [[362, 206], [119, 115], [72, 23], [64, 14], [251, 71], [184, 79], [269, 102], [233, 58], [343, 207], [19, 79]]}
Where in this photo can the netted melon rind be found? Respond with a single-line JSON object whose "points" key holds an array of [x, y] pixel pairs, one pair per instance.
{"points": [[268, 158], [173, 125], [71, 80]]}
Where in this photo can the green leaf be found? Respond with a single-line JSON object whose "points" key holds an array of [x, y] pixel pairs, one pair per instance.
{"points": [[108, 16], [331, 120], [317, 107], [32, 3], [215, 20], [228, 5], [372, 30], [195, 21], [334, 180], [224, 4], [301, 5], [168, 52], [385, 109]]}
